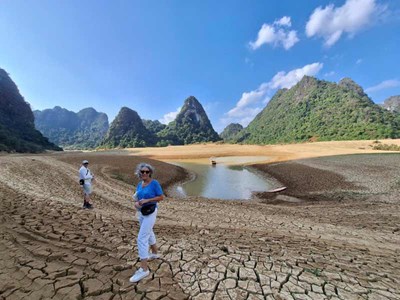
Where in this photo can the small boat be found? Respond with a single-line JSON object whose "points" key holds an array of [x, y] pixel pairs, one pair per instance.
{"points": [[277, 190], [213, 161]]}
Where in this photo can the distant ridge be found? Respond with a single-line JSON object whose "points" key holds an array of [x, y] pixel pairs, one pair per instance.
{"points": [[89, 129], [17, 129], [82, 130], [316, 110], [231, 131], [153, 126], [392, 104]]}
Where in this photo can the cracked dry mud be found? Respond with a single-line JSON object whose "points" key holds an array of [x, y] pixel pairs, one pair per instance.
{"points": [[345, 246]]}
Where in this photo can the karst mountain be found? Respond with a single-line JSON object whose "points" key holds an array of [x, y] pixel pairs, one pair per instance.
{"points": [[17, 128], [190, 126], [311, 110], [392, 104], [82, 130], [128, 131], [231, 131], [317, 110]]}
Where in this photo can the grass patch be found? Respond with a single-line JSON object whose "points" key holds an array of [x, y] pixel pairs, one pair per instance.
{"points": [[387, 147], [316, 272]]}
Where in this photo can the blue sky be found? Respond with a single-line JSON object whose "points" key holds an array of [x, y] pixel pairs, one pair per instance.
{"points": [[231, 55]]}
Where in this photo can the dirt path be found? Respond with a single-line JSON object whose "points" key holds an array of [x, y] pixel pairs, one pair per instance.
{"points": [[343, 246]]}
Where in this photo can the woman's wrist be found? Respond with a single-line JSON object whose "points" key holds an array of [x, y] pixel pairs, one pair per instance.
{"points": [[144, 201]]}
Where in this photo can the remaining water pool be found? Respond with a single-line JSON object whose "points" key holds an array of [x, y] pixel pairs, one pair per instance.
{"points": [[223, 180]]}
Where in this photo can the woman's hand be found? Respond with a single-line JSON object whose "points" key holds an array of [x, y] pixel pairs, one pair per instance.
{"points": [[143, 201], [137, 205]]}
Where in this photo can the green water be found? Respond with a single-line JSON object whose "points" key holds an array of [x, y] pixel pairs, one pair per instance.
{"points": [[221, 181]]}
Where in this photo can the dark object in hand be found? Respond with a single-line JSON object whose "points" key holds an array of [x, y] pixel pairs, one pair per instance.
{"points": [[148, 209], [81, 181]]}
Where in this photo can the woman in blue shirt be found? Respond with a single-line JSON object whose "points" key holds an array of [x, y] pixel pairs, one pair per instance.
{"points": [[148, 194]]}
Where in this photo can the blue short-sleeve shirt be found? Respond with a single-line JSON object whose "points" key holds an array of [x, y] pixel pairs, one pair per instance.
{"points": [[149, 191]]}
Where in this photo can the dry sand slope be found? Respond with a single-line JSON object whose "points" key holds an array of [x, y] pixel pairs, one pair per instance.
{"points": [[274, 152], [340, 241]]}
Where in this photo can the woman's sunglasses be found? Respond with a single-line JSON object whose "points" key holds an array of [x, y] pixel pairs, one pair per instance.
{"points": [[144, 172]]}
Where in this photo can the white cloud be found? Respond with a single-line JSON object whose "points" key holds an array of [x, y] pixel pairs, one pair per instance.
{"points": [[240, 115], [387, 84], [332, 22], [243, 112], [169, 117], [248, 105], [250, 97], [287, 80], [359, 61], [284, 21], [276, 35]]}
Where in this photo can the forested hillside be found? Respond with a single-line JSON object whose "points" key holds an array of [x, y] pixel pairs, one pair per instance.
{"points": [[190, 126], [82, 130], [127, 131], [316, 110], [231, 131], [17, 129]]}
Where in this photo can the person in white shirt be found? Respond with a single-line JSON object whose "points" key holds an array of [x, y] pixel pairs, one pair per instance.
{"points": [[85, 179]]}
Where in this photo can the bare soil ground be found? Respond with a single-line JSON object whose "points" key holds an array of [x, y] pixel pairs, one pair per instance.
{"points": [[333, 234], [274, 152]]}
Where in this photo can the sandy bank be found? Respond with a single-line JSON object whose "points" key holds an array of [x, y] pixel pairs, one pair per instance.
{"points": [[275, 153]]}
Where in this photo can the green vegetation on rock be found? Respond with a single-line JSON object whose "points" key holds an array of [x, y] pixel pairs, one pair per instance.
{"points": [[127, 131], [17, 129], [315, 110], [231, 131], [82, 130], [153, 126], [190, 126]]}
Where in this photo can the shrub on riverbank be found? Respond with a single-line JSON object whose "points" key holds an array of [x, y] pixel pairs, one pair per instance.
{"points": [[387, 147]]}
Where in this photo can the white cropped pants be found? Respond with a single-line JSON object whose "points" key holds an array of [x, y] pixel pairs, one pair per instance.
{"points": [[146, 236]]}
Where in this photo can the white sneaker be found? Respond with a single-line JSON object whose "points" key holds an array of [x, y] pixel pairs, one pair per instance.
{"points": [[139, 274], [153, 256]]}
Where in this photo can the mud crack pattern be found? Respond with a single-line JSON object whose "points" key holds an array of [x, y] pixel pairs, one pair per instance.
{"points": [[51, 248]]}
